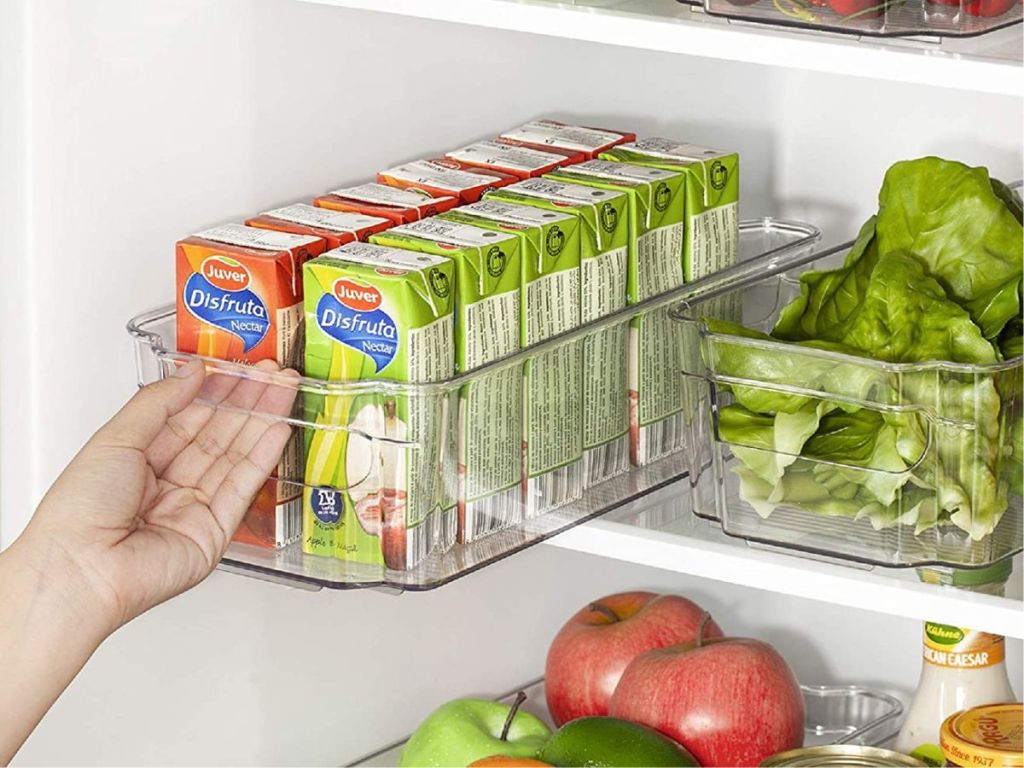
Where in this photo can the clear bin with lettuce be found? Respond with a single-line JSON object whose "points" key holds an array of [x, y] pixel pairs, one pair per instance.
{"points": [[866, 403]]}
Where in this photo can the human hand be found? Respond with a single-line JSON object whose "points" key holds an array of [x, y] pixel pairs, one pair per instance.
{"points": [[148, 506]]}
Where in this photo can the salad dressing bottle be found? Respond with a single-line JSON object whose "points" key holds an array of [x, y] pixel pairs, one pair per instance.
{"points": [[962, 667]]}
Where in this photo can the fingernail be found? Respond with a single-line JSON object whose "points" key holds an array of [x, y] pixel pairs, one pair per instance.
{"points": [[191, 368]]}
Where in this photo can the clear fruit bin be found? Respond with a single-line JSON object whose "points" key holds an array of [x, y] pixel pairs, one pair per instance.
{"points": [[833, 714], [951, 498], [434, 515], [876, 18]]}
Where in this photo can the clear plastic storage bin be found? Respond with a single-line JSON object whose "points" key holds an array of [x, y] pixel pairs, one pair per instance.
{"points": [[833, 714], [955, 500], [429, 533], [877, 18]]}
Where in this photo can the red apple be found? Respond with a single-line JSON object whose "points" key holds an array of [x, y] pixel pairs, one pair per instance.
{"points": [[729, 701], [590, 652]]}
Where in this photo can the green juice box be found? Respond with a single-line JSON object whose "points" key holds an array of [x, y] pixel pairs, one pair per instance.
{"points": [[552, 429], [655, 267], [655, 214], [552, 444], [711, 203], [485, 487], [604, 238], [710, 243], [374, 462]]}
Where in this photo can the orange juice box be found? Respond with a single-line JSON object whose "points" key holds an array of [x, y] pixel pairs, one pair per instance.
{"points": [[445, 177], [521, 162], [239, 298], [335, 227], [548, 134], [400, 206]]}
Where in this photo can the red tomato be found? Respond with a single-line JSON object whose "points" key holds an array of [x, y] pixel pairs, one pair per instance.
{"points": [[987, 7], [849, 7]]}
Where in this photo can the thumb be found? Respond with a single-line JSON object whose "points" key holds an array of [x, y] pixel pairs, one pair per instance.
{"points": [[141, 418]]}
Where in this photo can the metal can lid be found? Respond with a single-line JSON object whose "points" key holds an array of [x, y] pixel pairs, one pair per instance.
{"points": [[842, 755], [988, 735]]}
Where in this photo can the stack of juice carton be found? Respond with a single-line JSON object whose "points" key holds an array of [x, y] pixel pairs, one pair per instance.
{"points": [[439, 268]]}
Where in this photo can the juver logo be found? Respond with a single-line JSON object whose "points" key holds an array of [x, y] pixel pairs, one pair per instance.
{"points": [[225, 273], [356, 295]]}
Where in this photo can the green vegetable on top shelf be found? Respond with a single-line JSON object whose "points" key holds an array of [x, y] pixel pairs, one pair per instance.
{"points": [[934, 276]]}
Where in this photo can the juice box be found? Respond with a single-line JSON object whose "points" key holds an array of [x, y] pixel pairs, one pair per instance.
{"points": [[604, 237], [571, 156], [239, 298], [550, 133], [521, 162], [655, 266], [374, 467], [550, 291], [487, 316], [711, 198], [335, 227], [445, 177], [487, 311], [655, 214], [710, 242], [398, 205]]}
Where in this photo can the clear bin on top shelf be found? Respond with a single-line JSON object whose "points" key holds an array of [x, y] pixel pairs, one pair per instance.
{"points": [[876, 18], [908, 464], [412, 485]]}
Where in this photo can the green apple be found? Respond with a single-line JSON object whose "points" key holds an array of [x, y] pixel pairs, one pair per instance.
{"points": [[609, 741], [465, 730]]}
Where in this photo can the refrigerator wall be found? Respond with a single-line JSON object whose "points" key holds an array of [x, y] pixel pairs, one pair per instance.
{"points": [[128, 124], [243, 673]]}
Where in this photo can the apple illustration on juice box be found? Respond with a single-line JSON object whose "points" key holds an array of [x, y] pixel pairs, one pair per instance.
{"points": [[589, 653], [378, 492]]}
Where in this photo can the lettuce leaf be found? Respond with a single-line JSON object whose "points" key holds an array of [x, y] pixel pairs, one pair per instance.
{"points": [[769, 444], [1011, 340], [846, 437], [904, 316], [1015, 466], [764, 365], [950, 217], [827, 299]]}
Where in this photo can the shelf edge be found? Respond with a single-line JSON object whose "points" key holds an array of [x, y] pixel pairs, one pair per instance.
{"points": [[792, 575], [716, 38]]}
